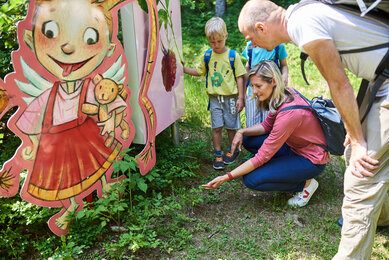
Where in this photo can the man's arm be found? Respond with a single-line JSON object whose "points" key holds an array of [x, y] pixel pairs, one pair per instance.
{"points": [[324, 54]]}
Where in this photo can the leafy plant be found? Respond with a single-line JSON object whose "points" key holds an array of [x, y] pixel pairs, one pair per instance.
{"points": [[10, 12]]}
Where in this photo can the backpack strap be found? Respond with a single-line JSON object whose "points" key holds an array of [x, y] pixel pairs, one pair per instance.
{"points": [[362, 91], [250, 53], [370, 48], [303, 107], [294, 107], [303, 57], [382, 73], [231, 58], [277, 57], [207, 57]]}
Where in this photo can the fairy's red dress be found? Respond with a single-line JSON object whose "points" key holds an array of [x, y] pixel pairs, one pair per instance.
{"points": [[71, 156]]}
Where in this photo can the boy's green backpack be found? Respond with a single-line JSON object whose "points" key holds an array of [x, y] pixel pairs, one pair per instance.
{"points": [[207, 57]]}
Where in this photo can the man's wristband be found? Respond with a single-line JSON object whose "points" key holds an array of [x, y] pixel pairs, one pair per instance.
{"points": [[230, 176]]}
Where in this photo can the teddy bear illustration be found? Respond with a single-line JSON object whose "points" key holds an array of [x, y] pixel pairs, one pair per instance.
{"points": [[110, 109]]}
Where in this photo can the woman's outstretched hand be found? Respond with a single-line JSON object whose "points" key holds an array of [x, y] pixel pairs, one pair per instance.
{"points": [[215, 183], [237, 141]]}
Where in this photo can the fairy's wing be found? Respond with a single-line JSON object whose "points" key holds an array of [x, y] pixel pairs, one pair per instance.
{"points": [[36, 83], [116, 71]]}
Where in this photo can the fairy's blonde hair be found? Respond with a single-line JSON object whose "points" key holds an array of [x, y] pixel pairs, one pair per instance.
{"points": [[267, 70], [215, 27], [104, 5]]}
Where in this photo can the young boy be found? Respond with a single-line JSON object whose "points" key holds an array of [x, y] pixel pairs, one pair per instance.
{"points": [[224, 73], [255, 115]]}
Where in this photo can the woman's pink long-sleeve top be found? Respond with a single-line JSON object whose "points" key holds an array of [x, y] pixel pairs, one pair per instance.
{"points": [[299, 128]]}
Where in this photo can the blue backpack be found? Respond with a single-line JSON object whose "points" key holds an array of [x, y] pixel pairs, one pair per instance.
{"points": [[250, 57], [207, 57], [276, 56]]}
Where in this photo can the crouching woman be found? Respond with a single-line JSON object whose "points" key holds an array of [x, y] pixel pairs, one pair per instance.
{"points": [[287, 157]]}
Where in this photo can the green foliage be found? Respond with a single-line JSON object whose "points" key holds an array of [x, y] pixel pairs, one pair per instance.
{"points": [[137, 208], [19, 221], [10, 12]]}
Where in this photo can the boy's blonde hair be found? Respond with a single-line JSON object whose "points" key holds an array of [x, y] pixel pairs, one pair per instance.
{"points": [[215, 27], [267, 70]]}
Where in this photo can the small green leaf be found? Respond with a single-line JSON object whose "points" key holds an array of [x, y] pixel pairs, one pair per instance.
{"points": [[142, 186], [81, 214], [143, 5], [162, 16], [123, 167]]}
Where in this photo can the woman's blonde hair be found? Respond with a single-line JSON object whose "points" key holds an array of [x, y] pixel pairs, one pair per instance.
{"points": [[267, 70], [215, 27]]}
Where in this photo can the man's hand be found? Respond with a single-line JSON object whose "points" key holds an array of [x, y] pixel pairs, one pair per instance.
{"points": [[361, 164]]}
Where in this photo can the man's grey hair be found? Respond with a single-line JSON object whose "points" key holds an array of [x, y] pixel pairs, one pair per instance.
{"points": [[257, 10]]}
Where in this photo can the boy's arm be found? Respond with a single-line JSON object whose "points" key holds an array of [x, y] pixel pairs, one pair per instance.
{"points": [[191, 71], [240, 102], [285, 71]]}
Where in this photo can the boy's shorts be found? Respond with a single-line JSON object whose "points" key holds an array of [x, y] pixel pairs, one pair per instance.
{"points": [[224, 112]]}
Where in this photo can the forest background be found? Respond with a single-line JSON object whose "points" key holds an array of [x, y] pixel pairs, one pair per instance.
{"points": [[165, 214]]}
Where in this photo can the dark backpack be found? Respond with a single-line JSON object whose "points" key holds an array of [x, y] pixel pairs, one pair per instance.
{"points": [[330, 120], [207, 58], [376, 10]]}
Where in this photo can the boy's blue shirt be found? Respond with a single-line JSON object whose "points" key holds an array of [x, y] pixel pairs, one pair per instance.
{"points": [[260, 54]]}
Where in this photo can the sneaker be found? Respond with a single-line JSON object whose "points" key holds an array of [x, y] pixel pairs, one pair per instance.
{"points": [[229, 157], [340, 223], [301, 199], [218, 163]]}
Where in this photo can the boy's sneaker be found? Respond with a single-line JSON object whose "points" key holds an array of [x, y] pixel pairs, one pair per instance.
{"points": [[301, 199], [229, 157], [218, 163]]}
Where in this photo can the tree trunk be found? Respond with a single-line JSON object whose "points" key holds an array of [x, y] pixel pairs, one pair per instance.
{"points": [[220, 8]]}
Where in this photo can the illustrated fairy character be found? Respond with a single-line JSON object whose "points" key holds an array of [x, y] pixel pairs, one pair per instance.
{"points": [[70, 150]]}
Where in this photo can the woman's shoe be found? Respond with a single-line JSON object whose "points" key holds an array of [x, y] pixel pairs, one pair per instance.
{"points": [[302, 198]]}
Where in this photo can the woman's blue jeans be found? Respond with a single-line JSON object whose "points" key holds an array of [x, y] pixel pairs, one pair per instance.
{"points": [[285, 171]]}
